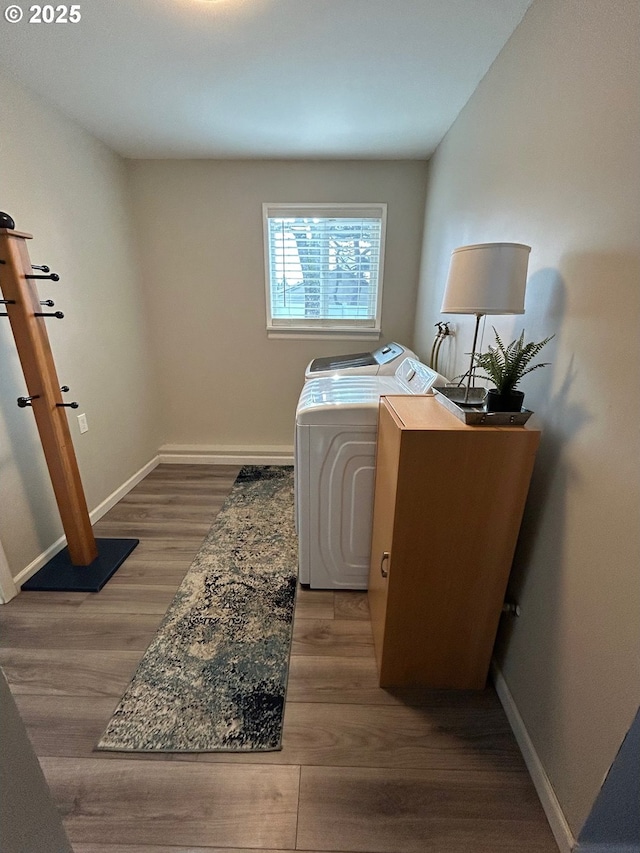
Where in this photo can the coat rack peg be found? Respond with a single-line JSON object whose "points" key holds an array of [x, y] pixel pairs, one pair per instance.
{"points": [[42, 268], [64, 388], [48, 302], [53, 277], [73, 405], [23, 402], [57, 314]]}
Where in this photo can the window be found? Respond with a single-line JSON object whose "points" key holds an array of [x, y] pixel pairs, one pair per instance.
{"points": [[324, 267]]}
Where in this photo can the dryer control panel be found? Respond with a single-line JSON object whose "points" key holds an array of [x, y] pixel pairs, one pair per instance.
{"points": [[383, 360], [415, 377]]}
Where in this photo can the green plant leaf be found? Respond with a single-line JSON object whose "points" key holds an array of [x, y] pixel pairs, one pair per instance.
{"points": [[505, 366]]}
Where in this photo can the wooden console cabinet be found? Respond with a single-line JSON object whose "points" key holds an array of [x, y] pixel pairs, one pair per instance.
{"points": [[448, 504]]}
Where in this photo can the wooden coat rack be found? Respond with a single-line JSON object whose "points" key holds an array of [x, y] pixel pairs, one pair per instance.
{"points": [[86, 564]]}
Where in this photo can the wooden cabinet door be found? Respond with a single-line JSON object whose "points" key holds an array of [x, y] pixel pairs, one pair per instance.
{"points": [[448, 503], [381, 566]]}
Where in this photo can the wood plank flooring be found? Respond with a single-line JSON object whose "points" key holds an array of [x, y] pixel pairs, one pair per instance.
{"points": [[361, 769]]}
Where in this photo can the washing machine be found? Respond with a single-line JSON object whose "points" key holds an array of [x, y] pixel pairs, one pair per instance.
{"points": [[335, 443], [382, 361]]}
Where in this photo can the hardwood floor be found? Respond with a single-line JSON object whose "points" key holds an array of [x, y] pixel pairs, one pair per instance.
{"points": [[361, 769]]}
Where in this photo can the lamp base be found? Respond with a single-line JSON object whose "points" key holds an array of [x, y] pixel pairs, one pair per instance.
{"points": [[463, 396]]}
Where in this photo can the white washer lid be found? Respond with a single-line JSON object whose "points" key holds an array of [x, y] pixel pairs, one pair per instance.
{"points": [[352, 400]]}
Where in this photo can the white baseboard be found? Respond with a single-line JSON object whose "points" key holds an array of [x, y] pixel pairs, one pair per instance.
{"points": [[108, 503], [95, 514], [219, 454], [8, 589], [557, 821]]}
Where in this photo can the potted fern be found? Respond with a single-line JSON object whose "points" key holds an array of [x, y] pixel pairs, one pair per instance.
{"points": [[505, 366]]}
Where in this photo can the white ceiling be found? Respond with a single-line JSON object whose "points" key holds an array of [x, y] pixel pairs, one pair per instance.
{"points": [[263, 78]]}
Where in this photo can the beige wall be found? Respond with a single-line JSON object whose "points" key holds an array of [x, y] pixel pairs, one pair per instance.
{"points": [[199, 224], [70, 192], [546, 152]]}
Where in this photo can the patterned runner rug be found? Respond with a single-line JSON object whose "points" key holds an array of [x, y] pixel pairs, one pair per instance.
{"points": [[214, 678]]}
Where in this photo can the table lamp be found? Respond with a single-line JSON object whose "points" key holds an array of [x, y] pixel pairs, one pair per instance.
{"points": [[487, 278]]}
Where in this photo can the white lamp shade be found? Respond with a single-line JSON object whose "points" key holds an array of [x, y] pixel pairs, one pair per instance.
{"points": [[488, 278]]}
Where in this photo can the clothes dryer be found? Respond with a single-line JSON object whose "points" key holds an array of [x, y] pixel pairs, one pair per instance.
{"points": [[381, 362], [335, 441]]}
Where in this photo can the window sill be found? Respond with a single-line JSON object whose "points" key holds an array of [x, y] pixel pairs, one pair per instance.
{"points": [[325, 334]]}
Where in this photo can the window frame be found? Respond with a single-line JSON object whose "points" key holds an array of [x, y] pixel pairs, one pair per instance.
{"points": [[306, 328]]}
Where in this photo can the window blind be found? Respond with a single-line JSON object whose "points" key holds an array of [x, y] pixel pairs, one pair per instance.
{"points": [[324, 265]]}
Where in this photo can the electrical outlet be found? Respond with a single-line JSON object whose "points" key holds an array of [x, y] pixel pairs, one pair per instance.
{"points": [[82, 423]]}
